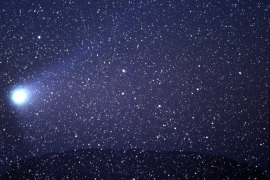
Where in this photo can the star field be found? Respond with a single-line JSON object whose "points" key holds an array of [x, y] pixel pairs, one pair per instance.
{"points": [[156, 75]]}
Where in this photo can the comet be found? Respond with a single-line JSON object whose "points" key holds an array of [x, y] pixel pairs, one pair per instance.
{"points": [[19, 96]]}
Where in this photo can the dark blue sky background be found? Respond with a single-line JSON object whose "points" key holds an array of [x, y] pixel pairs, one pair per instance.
{"points": [[156, 75]]}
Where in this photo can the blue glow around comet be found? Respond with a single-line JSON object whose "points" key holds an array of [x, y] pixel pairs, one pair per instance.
{"points": [[20, 96]]}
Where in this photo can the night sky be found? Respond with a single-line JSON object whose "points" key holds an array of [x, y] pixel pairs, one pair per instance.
{"points": [[163, 75]]}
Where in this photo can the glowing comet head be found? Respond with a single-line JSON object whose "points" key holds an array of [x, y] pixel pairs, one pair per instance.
{"points": [[19, 96]]}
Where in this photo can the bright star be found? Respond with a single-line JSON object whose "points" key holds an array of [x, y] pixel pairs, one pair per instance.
{"points": [[19, 96]]}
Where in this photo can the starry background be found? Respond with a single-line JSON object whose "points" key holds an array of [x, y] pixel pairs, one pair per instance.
{"points": [[155, 75]]}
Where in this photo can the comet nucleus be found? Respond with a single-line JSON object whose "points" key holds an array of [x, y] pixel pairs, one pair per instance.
{"points": [[19, 96]]}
